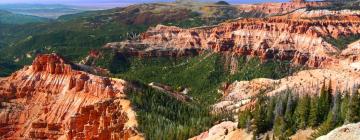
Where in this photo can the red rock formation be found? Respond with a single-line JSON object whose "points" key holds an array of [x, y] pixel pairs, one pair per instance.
{"points": [[298, 1], [298, 40], [325, 14], [280, 8], [52, 64], [50, 100]]}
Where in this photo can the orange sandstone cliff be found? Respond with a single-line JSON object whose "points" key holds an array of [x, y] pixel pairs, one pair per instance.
{"points": [[281, 8], [51, 100], [298, 40]]}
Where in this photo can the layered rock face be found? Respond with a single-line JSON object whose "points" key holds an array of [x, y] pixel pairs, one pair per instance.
{"points": [[136, 49], [342, 76], [51, 100], [338, 69], [325, 14], [296, 40], [280, 8]]}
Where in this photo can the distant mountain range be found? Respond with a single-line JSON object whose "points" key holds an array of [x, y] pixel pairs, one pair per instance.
{"points": [[11, 18], [51, 11]]}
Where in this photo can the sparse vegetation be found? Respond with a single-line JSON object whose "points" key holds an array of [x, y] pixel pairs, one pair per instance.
{"points": [[342, 41]]}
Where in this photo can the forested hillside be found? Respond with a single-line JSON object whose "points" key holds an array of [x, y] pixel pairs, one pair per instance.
{"points": [[73, 36], [287, 113]]}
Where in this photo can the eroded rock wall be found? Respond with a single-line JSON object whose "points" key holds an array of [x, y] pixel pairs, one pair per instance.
{"points": [[50, 100], [298, 40]]}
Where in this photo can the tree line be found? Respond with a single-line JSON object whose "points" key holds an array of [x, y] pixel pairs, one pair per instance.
{"points": [[286, 113]]}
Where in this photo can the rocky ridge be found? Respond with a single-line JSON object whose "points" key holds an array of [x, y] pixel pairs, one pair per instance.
{"points": [[346, 132], [304, 13], [222, 131], [344, 75], [52, 100], [228, 131], [298, 40], [281, 8], [337, 68], [240, 95]]}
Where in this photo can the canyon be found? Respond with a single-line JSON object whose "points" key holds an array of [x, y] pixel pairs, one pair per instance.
{"points": [[301, 41], [52, 100], [56, 99], [342, 75], [300, 37], [339, 69]]}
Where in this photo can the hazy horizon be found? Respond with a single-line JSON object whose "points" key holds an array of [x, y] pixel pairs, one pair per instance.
{"points": [[116, 2]]}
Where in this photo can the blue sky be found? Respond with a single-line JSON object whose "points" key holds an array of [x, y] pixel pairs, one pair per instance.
{"points": [[117, 1]]}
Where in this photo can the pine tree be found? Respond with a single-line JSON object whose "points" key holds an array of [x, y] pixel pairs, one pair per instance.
{"points": [[354, 108], [244, 117], [345, 107], [332, 119], [336, 110], [324, 102], [323, 129], [289, 119], [330, 90], [314, 112], [279, 113], [270, 112], [302, 112], [259, 117], [279, 108], [279, 126], [290, 107]]}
